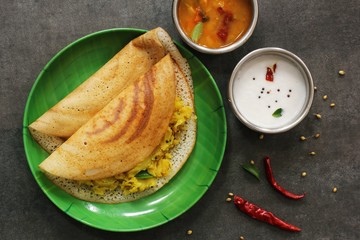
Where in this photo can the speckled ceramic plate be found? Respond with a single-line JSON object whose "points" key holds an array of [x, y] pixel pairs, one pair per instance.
{"points": [[74, 64]]}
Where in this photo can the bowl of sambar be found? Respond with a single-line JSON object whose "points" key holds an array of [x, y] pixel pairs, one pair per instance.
{"points": [[215, 26]]}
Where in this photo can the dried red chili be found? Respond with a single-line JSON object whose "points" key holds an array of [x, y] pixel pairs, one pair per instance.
{"points": [[262, 215], [269, 74], [274, 67], [272, 181], [225, 24]]}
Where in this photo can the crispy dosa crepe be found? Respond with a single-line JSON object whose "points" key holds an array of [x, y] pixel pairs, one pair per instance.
{"points": [[85, 101], [123, 133], [63, 119], [180, 153], [98, 169]]}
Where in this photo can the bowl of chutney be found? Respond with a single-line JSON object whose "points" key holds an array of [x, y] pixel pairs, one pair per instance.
{"points": [[215, 26]]}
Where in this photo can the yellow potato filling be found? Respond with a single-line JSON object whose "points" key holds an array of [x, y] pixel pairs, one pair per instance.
{"points": [[156, 166]]}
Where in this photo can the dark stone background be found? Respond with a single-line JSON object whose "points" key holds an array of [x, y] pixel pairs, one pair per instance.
{"points": [[324, 33]]}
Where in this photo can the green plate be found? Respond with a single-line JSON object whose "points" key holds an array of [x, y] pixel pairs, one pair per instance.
{"points": [[74, 64]]}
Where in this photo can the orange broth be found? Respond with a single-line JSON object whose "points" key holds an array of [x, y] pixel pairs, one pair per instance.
{"points": [[224, 21]]}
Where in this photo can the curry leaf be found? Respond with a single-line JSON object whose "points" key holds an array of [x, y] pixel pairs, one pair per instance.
{"points": [[251, 169], [143, 175], [277, 113], [197, 31]]}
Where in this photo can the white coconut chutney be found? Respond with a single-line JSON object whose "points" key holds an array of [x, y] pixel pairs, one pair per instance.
{"points": [[257, 99]]}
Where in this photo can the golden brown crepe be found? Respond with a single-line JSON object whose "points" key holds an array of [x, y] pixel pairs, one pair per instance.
{"points": [[85, 101], [180, 153], [123, 133]]}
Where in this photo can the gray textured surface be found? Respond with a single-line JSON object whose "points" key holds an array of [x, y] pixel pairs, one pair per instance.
{"points": [[325, 34]]}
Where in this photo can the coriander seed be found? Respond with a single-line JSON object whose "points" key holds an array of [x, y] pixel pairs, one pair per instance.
{"points": [[303, 174], [189, 232], [317, 115], [341, 72]]}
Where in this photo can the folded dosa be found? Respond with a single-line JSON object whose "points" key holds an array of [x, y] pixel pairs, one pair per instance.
{"points": [[123, 133], [180, 153], [136, 58]]}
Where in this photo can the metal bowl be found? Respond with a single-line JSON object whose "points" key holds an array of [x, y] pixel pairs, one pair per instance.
{"points": [[226, 49], [293, 60]]}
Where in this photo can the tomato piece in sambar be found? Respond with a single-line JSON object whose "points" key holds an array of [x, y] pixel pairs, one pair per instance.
{"points": [[223, 21]]}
